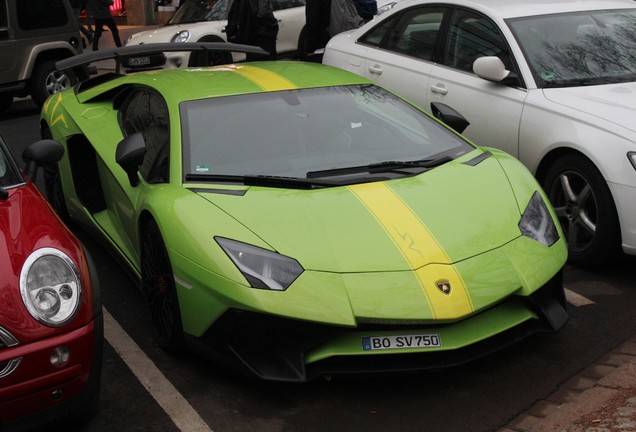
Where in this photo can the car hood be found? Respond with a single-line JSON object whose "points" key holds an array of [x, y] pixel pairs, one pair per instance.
{"points": [[448, 214], [615, 103]]}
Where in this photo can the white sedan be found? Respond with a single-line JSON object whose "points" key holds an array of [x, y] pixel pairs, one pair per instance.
{"points": [[205, 21], [551, 82]]}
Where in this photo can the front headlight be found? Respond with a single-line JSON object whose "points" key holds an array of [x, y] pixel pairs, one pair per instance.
{"points": [[537, 222], [182, 36], [262, 268], [51, 287]]}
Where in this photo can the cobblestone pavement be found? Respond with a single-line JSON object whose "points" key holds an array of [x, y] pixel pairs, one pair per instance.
{"points": [[602, 398]]}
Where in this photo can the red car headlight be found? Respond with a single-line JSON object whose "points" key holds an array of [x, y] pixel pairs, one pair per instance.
{"points": [[51, 287]]}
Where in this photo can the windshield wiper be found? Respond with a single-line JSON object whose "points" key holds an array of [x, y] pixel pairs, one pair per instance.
{"points": [[380, 167], [265, 180]]}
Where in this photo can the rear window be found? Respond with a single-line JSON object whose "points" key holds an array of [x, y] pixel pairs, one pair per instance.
{"points": [[38, 14]]}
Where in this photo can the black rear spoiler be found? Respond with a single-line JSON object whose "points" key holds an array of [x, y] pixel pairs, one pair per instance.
{"points": [[149, 55]]}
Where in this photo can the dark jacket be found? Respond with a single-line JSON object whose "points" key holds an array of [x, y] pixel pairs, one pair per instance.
{"points": [[366, 8], [100, 8], [250, 20]]}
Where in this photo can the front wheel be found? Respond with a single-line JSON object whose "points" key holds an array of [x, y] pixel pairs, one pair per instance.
{"points": [[159, 288], [585, 207], [47, 80]]}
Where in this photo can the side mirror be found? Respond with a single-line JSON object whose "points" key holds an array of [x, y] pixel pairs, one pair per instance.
{"points": [[40, 153], [490, 68], [449, 116], [130, 154]]}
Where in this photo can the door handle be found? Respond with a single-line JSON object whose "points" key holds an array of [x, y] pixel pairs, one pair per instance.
{"points": [[375, 70], [439, 89]]}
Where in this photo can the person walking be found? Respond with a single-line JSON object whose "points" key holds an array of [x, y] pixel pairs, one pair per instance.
{"points": [[317, 19], [252, 22], [76, 5], [103, 17]]}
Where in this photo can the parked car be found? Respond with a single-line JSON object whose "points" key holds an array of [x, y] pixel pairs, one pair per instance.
{"points": [[295, 219], [205, 21], [550, 83], [51, 327], [34, 34]]}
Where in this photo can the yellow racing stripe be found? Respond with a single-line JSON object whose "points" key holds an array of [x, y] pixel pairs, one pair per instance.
{"points": [[420, 249], [267, 80]]}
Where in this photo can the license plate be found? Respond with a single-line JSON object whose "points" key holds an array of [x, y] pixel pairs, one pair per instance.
{"points": [[427, 340], [138, 61]]}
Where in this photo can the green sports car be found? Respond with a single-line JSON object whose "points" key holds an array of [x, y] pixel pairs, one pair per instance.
{"points": [[294, 220]]}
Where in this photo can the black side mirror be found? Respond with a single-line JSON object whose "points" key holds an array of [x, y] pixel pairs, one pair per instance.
{"points": [[130, 154], [41, 153], [449, 116]]}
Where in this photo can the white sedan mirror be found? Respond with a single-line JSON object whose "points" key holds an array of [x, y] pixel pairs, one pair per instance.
{"points": [[490, 68]]}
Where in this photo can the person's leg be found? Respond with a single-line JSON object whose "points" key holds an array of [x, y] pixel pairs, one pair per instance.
{"points": [[98, 34], [82, 29], [110, 23]]}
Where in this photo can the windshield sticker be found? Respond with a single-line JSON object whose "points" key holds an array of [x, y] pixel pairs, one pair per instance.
{"points": [[548, 75], [203, 168]]}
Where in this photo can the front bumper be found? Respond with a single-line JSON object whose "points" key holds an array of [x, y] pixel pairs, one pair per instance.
{"points": [[284, 349], [43, 394]]}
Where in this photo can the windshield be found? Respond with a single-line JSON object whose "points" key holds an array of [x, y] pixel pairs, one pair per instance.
{"points": [[296, 132], [9, 174], [192, 11], [583, 48]]}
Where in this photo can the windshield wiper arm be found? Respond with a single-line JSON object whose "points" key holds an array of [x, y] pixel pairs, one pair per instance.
{"points": [[380, 167], [264, 180]]}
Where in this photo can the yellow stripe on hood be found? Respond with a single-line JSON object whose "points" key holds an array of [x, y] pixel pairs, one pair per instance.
{"points": [[267, 80], [419, 247]]}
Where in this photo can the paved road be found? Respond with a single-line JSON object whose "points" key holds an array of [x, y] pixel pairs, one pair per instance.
{"points": [[144, 389]]}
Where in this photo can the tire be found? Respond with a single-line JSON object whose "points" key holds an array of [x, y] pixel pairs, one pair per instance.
{"points": [[6, 99], [47, 80], [158, 287], [585, 207]]}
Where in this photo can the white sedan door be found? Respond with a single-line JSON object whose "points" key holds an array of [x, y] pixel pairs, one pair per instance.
{"points": [[493, 109], [404, 62]]}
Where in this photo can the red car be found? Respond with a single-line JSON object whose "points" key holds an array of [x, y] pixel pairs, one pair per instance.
{"points": [[51, 324]]}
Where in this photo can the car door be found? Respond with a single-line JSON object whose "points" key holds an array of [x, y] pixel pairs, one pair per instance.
{"points": [[291, 20], [493, 109], [144, 111], [402, 50]]}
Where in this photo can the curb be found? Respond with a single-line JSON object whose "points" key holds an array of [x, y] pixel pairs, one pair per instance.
{"points": [[601, 398]]}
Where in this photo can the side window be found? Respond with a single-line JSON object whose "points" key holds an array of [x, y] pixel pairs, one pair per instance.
{"points": [[414, 33], [376, 35], [38, 14], [417, 32], [3, 15], [286, 4], [472, 36], [146, 112]]}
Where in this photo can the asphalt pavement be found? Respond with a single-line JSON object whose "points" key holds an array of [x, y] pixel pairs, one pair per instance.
{"points": [[601, 398]]}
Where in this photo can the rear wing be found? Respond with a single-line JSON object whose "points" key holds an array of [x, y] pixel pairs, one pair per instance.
{"points": [[150, 56]]}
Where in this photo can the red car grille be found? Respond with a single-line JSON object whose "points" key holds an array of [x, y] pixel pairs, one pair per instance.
{"points": [[7, 340]]}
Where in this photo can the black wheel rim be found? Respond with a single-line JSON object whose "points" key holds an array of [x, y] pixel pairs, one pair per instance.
{"points": [[158, 286], [573, 199]]}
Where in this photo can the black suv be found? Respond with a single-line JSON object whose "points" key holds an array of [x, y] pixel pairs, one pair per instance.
{"points": [[34, 34]]}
